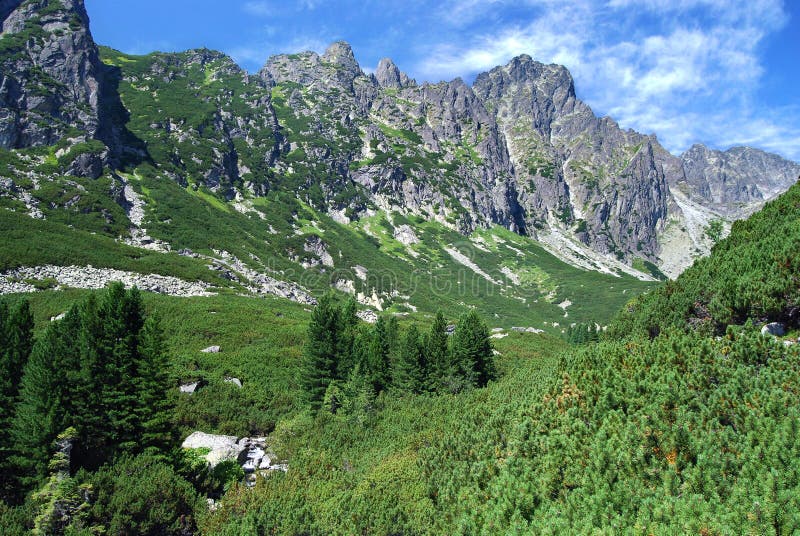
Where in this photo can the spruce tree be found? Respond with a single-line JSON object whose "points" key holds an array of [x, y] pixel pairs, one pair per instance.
{"points": [[348, 331], [409, 371], [437, 354], [152, 384], [378, 366], [44, 403], [472, 350], [320, 365], [121, 312], [16, 341], [101, 370]]}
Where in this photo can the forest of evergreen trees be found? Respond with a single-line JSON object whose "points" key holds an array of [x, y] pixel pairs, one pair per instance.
{"points": [[87, 433], [344, 362], [91, 391]]}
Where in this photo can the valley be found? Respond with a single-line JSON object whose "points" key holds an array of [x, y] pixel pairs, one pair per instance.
{"points": [[325, 299]]}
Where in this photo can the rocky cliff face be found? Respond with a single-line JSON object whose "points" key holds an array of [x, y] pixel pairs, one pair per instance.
{"points": [[735, 181], [50, 73], [517, 149], [575, 171], [432, 150]]}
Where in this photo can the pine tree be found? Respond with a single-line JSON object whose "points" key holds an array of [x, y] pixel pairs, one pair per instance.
{"points": [[16, 341], [358, 396], [348, 331], [437, 354], [152, 383], [378, 366], [409, 371], [472, 350], [320, 364]]}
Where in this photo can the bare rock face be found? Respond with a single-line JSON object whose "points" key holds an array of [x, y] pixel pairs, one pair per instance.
{"points": [[736, 181], [50, 73], [516, 149], [574, 170], [388, 75]]}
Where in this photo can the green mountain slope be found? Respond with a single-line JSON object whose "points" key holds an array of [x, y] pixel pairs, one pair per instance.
{"points": [[682, 434], [754, 274]]}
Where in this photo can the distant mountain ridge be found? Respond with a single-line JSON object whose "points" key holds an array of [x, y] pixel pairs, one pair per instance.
{"points": [[517, 149]]}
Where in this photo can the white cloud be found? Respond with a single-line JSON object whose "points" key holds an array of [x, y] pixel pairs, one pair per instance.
{"points": [[264, 8], [258, 8], [555, 37], [687, 70]]}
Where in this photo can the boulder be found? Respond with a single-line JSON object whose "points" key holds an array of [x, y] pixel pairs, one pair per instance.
{"points": [[221, 447], [189, 387], [775, 329], [211, 350], [235, 381], [368, 315]]}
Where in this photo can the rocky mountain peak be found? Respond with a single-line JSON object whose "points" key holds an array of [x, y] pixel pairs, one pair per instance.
{"points": [[735, 181], [341, 53], [388, 75]]}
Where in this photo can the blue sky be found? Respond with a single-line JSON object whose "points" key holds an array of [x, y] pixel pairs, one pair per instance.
{"points": [[721, 72]]}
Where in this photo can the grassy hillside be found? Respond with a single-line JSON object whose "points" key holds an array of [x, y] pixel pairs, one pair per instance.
{"points": [[511, 278], [684, 433], [215, 188]]}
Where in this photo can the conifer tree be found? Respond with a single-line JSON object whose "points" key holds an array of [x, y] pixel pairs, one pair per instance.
{"points": [[437, 354], [409, 371], [378, 366], [16, 341], [357, 394], [153, 411], [320, 364], [101, 370], [472, 350], [44, 404], [393, 336], [348, 331]]}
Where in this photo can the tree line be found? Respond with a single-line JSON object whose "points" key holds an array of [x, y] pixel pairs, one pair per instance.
{"points": [[343, 360]]}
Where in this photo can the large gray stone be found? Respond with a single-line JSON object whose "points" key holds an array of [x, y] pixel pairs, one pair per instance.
{"points": [[221, 447], [775, 329]]}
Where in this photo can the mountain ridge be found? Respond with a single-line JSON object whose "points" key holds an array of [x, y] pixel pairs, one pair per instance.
{"points": [[516, 149]]}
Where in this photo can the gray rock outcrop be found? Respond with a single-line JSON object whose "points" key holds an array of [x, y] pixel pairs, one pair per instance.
{"points": [[776, 329], [736, 181], [46, 46], [251, 453], [88, 277]]}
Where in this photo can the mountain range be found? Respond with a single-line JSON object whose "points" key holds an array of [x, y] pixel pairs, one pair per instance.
{"points": [[127, 146]]}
